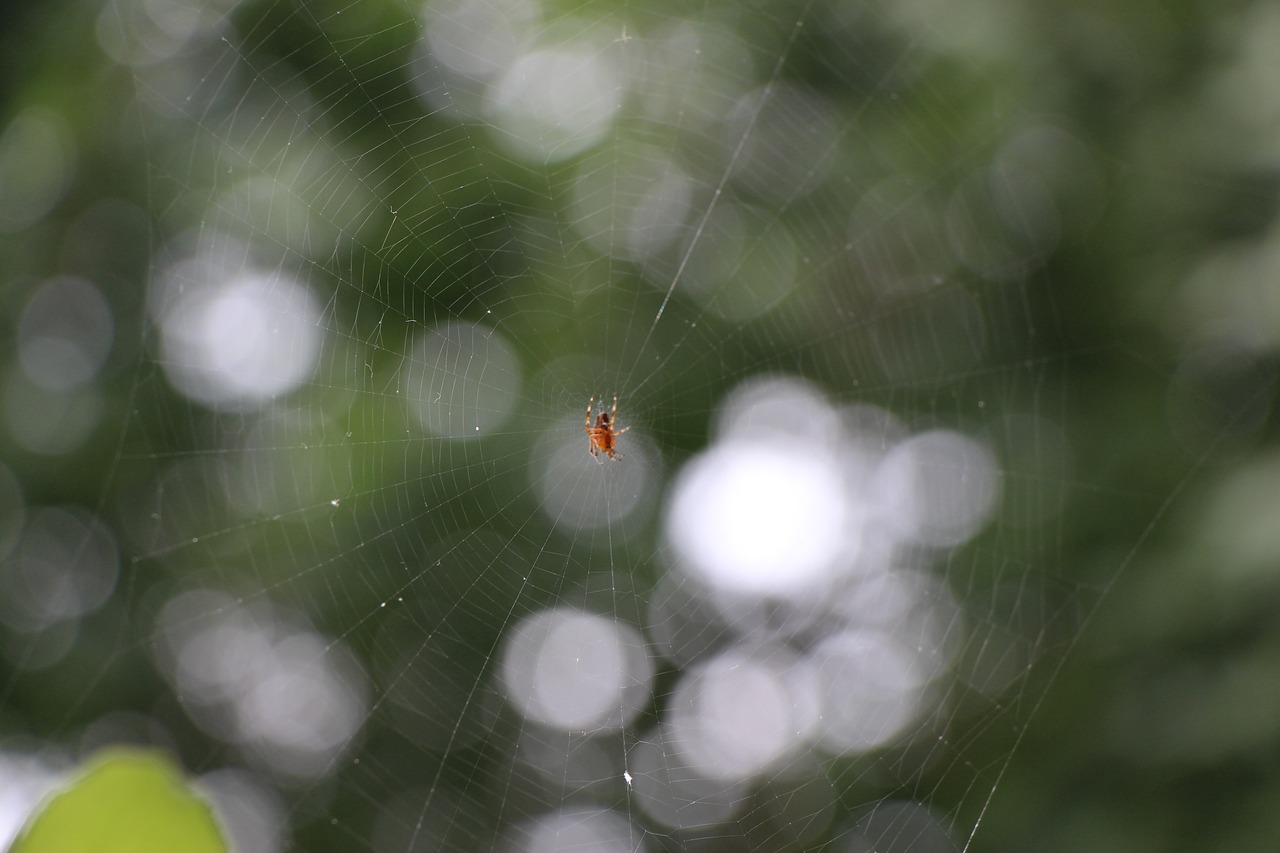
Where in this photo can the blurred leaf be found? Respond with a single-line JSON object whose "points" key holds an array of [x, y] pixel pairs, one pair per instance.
{"points": [[128, 800]]}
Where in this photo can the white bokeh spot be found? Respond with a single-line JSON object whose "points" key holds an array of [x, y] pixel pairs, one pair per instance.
{"points": [[759, 517], [241, 342]]}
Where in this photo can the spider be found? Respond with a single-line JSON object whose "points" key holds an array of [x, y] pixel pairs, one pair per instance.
{"points": [[603, 438]]}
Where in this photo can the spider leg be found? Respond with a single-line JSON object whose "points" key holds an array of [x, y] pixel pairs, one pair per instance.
{"points": [[587, 423], [613, 417]]}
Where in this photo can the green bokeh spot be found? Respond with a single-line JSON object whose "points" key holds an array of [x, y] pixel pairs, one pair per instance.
{"points": [[127, 800]]}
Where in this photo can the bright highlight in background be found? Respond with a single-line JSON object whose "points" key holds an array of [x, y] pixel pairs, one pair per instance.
{"points": [[939, 488], [800, 532], [65, 566], [576, 671], [759, 518], [289, 698], [740, 713], [789, 502], [241, 341], [462, 380], [65, 333], [554, 104], [870, 685], [579, 828]]}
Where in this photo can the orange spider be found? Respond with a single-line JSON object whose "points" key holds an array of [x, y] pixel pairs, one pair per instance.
{"points": [[603, 438]]}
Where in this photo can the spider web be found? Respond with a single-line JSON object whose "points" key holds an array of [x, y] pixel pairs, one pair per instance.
{"points": [[385, 596]]}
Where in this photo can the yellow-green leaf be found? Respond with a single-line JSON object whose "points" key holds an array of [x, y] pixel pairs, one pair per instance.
{"points": [[127, 801]]}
